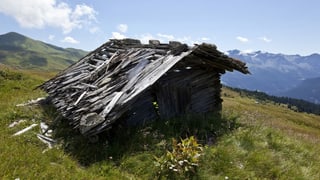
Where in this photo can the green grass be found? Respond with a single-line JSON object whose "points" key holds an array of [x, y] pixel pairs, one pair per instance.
{"points": [[301, 126], [24, 53], [257, 152], [250, 141], [22, 156]]}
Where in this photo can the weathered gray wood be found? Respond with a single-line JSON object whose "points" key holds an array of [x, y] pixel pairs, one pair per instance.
{"points": [[153, 75], [121, 76], [74, 79], [25, 130], [104, 65], [112, 103], [80, 97], [88, 121]]}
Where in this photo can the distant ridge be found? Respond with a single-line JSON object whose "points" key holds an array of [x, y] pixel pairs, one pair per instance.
{"points": [[308, 90], [19, 51], [277, 74]]}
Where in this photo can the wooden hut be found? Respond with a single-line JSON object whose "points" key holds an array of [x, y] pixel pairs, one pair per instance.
{"points": [[124, 80]]}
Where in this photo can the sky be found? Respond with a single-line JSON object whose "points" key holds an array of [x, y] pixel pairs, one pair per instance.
{"points": [[276, 26]]}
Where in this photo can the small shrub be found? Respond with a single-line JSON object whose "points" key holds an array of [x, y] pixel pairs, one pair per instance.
{"points": [[182, 161], [9, 75]]}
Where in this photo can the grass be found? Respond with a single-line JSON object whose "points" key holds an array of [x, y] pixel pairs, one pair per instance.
{"points": [[257, 152], [251, 141], [25, 53], [22, 156], [297, 125]]}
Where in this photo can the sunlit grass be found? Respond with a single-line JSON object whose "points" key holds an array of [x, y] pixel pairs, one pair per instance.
{"points": [[251, 141], [263, 153], [297, 125], [23, 156]]}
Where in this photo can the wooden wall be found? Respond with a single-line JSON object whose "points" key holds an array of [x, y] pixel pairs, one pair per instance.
{"points": [[182, 90]]}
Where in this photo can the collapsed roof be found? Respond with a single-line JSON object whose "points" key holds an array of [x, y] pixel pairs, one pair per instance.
{"points": [[103, 86]]}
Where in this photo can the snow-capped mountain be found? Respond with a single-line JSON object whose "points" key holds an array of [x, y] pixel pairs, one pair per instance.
{"points": [[274, 74]]}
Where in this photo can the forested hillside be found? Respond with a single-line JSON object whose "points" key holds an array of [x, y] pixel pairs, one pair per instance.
{"points": [[292, 103]]}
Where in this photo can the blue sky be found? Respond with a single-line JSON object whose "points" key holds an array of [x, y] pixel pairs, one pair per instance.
{"points": [[277, 26]]}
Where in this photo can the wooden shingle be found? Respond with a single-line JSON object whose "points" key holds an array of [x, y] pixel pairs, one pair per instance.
{"points": [[124, 80]]}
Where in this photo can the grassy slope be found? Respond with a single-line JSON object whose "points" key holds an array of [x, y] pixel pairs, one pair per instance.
{"points": [[23, 156], [271, 142], [22, 52]]}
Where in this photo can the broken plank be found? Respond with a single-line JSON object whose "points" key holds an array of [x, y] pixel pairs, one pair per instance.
{"points": [[25, 129], [80, 97], [111, 104]]}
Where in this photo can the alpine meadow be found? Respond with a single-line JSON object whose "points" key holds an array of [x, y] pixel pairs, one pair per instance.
{"points": [[250, 138]]}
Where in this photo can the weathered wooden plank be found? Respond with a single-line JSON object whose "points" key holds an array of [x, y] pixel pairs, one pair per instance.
{"points": [[91, 85], [142, 110], [96, 92], [112, 103], [97, 62], [25, 130], [74, 79], [88, 121], [80, 97], [104, 99], [104, 65], [153, 75]]}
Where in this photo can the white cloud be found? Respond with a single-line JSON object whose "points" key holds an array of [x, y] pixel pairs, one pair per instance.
{"points": [[144, 38], [186, 39], [242, 39], [205, 39], [117, 35], [166, 36], [163, 38], [48, 13], [94, 30], [84, 10], [123, 28], [265, 39], [71, 40], [51, 37]]}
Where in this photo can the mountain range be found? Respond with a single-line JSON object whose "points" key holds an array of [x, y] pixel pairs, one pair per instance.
{"points": [[293, 76], [308, 89], [19, 51]]}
